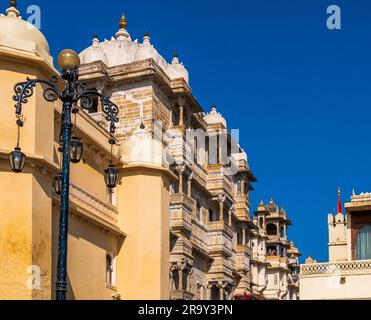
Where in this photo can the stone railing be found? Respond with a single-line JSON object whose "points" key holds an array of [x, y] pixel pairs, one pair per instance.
{"points": [[220, 226], [217, 181], [181, 209], [241, 258], [199, 236], [92, 204], [182, 199], [351, 267], [100, 118], [220, 237]]}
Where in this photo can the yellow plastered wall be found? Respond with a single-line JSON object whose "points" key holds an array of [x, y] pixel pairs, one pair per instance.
{"points": [[143, 261], [25, 231], [86, 261], [35, 138]]}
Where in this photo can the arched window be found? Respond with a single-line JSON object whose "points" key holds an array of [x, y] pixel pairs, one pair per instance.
{"points": [[271, 229], [363, 249], [261, 222]]}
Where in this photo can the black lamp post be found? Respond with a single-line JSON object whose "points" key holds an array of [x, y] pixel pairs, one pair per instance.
{"points": [[74, 95]]}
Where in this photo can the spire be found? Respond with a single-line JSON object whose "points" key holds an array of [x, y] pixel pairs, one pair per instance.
{"points": [[95, 40], [340, 210], [123, 23], [12, 11], [175, 58], [122, 34], [146, 39]]}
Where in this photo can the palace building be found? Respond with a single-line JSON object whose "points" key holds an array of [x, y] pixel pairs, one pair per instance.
{"points": [[347, 275], [178, 225], [275, 260]]}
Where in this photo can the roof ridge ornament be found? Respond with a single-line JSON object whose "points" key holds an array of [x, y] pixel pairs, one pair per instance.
{"points": [[146, 39], [123, 34], [95, 40], [175, 60], [12, 11]]}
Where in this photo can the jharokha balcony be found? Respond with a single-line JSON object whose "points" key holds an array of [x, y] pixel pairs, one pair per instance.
{"points": [[339, 280], [181, 209], [220, 236], [242, 258]]}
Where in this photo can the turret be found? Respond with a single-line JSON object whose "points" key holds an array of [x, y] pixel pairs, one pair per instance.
{"points": [[337, 227]]}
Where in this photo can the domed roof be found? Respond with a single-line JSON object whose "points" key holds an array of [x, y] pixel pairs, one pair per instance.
{"points": [[214, 117], [94, 53], [20, 34], [122, 50]]}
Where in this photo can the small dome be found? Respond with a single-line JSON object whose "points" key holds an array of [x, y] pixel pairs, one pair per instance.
{"points": [[178, 70], [214, 117], [120, 50], [20, 34], [94, 53]]}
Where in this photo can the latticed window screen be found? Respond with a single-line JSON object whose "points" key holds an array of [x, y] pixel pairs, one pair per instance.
{"points": [[363, 249], [109, 269]]}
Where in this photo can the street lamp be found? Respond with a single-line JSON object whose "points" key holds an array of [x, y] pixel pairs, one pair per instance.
{"points": [[74, 96]]}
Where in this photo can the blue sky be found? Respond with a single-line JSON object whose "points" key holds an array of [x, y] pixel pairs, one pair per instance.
{"points": [[299, 93]]}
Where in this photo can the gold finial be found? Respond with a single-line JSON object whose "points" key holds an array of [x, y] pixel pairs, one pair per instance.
{"points": [[339, 191], [12, 11], [123, 23]]}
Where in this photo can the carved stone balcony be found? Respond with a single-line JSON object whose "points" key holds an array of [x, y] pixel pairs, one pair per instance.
{"points": [[220, 238], [199, 238], [218, 182], [181, 209], [242, 258], [242, 207]]}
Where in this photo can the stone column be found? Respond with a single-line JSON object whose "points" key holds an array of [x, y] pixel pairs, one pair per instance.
{"points": [[244, 235], [209, 287], [180, 278], [190, 185], [181, 170], [99, 107], [222, 287], [181, 115], [221, 199], [230, 212]]}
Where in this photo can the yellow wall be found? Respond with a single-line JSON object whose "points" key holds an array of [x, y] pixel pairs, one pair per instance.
{"points": [[29, 224], [86, 261], [143, 264]]}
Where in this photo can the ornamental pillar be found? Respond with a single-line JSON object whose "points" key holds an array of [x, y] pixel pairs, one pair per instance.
{"points": [[190, 185], [181, 169], [181, 115], [221, 199]]}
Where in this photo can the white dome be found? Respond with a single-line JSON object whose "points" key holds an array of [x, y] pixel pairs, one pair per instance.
{"points": [[93, 54], [214, 117], [20, 34], [122, 50]]}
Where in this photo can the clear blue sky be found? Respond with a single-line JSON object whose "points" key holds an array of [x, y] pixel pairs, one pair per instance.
{"points": [[299, 93]]}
